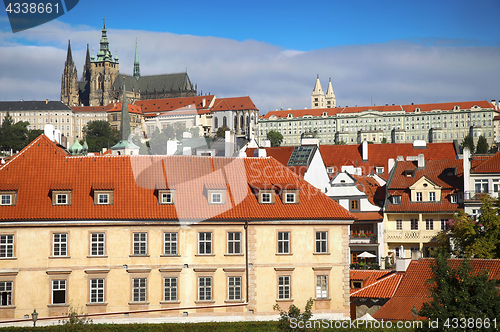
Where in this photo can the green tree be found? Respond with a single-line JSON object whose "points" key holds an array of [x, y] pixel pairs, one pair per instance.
{"points": [[275, 137], [158, 142], [384, 140], [468, 237], [99, 135], [289, 321], [458, 292], [195, 131], [221, 132], [179, 129], [468, 142], [482, 145], [16, 136], [143, 147]]}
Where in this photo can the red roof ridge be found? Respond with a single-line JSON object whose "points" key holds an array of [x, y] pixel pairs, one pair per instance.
{"points": [[42, 136], [391, 275]]}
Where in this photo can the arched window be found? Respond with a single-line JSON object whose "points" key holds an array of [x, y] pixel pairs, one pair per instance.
{"points": [[216, 123], [224, 121]]}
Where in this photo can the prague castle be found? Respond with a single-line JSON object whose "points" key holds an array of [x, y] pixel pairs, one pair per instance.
{"points": [[99, 85]]}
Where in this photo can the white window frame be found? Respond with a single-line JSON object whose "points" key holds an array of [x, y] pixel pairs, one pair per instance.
{"points": [[321, 242], [414, 224], [140, 243], [453, 198], [59, 244], [234, 242], [171, 243], [167, 198], [266, 198], [6, 199], [321, 286], [170, 290], [215, 200], [97, 290], [6, 293], [284, 242], [60, 200], [432, 196], [204, 288], [205, 243], [139, 289], [418, 196], [444, 224], [97, 244], [396, 199], [290, 195], [429, 224], [7, 246], [234, 288], [399, 224], [59, 285], [103, 199], [284, 287]]}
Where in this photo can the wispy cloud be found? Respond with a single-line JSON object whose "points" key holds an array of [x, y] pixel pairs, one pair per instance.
{"points": [[397, 72]]}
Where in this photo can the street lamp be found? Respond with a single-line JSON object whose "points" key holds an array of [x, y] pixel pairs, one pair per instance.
{"points": [[34, 317]]}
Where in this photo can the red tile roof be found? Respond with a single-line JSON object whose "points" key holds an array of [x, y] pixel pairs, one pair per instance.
{"points": [[368, 277], [414, 289], [491, 165], [280, 153], [233, 104], [384, 287], [370, 187], [169, 104], [337, 156], [131, 108], [134, 179], [388, 108]]}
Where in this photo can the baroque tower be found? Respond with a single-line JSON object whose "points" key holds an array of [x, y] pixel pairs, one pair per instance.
{"points": [[69, 82], [103, 73], [331, 101]]}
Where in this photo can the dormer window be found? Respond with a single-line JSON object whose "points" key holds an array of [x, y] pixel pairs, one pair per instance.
{"points": [[380, 170], [453, 199], [103, 199], [6, 199], [61, 193], [290, 197], [103, 193], [8, 194], [289, 194], [396, 199], [61, 199], [165, 197], [266, 198], [216, 198]]}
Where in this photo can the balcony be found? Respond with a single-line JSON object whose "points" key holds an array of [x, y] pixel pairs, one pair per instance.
{"points": [[362, 239], [412, 236], [476, 196]]}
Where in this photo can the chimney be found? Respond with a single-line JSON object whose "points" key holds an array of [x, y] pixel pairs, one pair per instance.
{"points": [[421, 160], [364, 151], [230, 143], [48, 130], [204, 102], [261, 153], [390, 165], [402, 264], [466, 165], [46, 101]]}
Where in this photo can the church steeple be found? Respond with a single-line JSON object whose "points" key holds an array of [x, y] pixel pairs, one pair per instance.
{"points": [[331, 101], [86, 67], [69, 81], [317, 96], [104, 53], [137, 69]]}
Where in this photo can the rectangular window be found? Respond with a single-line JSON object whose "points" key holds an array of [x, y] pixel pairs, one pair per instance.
{"points": [[62, 199], [444, 224], [266, 197], [399, 224], [216, 198], [419, 197], [234, 242], [97, 290], [432, 196], [283, 242], [396, 199], [354, 205], [97, 244], [496, 185], [170, 289], [140, 244], [166, 198], [321, 242], [5, 293], [284, 287], [170, 245], [103, 199], [205, 288], [290, 198], [481, 186], [234, 288], [414, 224], [429, 224], [453, 199], [6, 200], [7, 246], [321, 287], [58, 291], [139, 290], [60, 244], [205, 243]]}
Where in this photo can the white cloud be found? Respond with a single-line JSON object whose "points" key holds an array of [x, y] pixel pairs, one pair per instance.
{"points": [[395, 72]]}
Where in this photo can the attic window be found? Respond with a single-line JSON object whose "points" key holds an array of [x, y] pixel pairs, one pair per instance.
{"points": [[290, 196], [396, 199], [61, 193], [356, 284], [166, 197], [380, 170], [266, 196], [216, 198], [8, 197], [408, 173]]}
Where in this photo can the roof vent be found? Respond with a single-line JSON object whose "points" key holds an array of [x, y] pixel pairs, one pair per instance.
{"points": [[419, 144]]}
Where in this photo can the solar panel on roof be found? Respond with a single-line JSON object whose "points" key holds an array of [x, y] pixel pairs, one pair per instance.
{"points": [[301, 155]]}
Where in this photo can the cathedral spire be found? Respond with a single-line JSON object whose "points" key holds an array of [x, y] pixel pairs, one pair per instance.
{"points": [[104, 52], [331, 101], [86, 66], [317, 96], [69, 56], [125, 119], [137, 69]]}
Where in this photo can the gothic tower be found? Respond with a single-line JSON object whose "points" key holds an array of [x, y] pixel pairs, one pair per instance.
{"points": [[137, 69], [69, 82], [103, 73], [85, 83], [331, 101], [317, 96]]}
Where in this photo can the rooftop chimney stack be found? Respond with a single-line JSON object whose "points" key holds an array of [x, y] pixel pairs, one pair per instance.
{"points": [[364, 151], [421, 160]]}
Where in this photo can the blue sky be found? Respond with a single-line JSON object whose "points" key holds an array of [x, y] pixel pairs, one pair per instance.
{"points": [[376, 52]]}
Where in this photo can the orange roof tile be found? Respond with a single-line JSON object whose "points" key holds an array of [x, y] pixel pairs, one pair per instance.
{"points": [[169, 104], [131, 108], [384, 287], [233, 104], [134, 180], [388, 108], [414, 289], [491, 165]]}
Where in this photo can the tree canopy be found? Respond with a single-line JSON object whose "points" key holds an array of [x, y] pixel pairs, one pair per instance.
{"points": [[459, 292], [474, 237], [16, 136], [99, 135], [482, 145], [468, 142], [221, 132], [275, 137]]}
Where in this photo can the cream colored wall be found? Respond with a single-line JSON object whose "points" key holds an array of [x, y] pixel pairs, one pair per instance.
{"points": [[425, 187], [33, 268]]}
